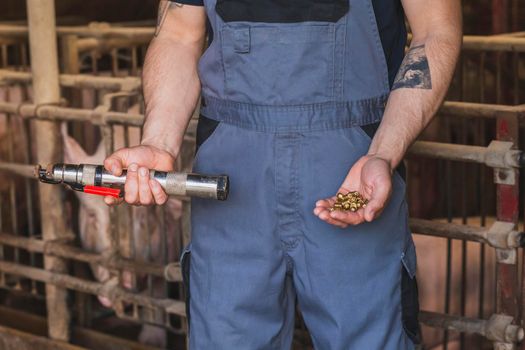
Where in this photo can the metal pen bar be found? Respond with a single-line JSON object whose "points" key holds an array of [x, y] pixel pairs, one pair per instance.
{"points": [[63, 250], [97, 117], [104, 30], [498, 328], [500, 235], [497, 155], [130, 83], [108, 290]]}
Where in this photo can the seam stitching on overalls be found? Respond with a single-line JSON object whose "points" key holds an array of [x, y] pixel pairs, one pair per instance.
{"points": [[334, 64], [275, 183], [376, 100], [223, 64], [343, 56], [297, 151]]}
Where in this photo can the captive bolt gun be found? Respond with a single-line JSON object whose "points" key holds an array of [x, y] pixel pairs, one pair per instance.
{"points": [[94, 179]]}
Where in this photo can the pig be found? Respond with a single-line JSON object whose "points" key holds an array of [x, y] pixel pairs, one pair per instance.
{"points": [[95, 234]]}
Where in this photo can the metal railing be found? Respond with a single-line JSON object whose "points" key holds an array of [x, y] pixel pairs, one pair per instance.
{"points": [[503, 326]]}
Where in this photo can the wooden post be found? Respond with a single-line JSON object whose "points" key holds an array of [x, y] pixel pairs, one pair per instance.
{"points": [[44, 63]]}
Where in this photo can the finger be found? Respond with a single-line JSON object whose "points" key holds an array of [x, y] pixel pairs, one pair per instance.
{"points": [[347, 217], [377, 202], [325, 216], [132, 184], [325, 203], [112, 201], [158, 193], [318, 210], [145, 196]]}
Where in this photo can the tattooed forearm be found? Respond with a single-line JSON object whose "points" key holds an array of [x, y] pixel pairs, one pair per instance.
{"points": [[414, 72]]}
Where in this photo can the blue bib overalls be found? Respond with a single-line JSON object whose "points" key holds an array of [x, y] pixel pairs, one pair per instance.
{"points": [[289, 84]]}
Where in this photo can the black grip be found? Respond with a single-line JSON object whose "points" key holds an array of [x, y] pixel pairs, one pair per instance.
{"points": [[98, 175]]}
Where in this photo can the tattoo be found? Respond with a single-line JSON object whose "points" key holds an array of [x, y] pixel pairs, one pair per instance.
{"points": [[164, 6], [414, 72]]}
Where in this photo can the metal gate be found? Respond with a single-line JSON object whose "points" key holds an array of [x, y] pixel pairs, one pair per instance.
{"points": [[475, 174]]}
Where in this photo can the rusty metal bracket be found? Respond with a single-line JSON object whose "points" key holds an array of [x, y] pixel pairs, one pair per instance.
{"points": [[172, 272], [498, 328], [504, 176], [501, 155], [502, 234], [506, 256], [503, 159]]}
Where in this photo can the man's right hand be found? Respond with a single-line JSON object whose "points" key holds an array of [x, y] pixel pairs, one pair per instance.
{"points": [[139, 188]]}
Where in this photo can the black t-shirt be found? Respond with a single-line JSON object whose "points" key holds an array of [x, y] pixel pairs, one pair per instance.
{"points": [[190, 2]]}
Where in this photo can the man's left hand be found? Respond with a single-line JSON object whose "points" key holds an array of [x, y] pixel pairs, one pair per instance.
{"points": [[372, 178]]}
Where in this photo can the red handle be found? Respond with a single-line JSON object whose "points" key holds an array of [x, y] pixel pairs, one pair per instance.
{"points": [[102, 191]]}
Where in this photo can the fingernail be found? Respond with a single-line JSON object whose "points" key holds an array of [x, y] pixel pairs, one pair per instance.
{"points": [[153, 183], [114, 169], [143, 172], [133, 167]]}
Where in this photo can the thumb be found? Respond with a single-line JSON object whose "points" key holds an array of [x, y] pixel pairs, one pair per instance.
{"points": [[376, 204]]}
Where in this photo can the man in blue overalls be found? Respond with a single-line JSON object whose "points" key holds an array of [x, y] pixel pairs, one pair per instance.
{"points": [[301, 99]]}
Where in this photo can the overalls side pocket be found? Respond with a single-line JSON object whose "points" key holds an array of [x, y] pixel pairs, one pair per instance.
{"points": [[409, 294], [185, 261]]}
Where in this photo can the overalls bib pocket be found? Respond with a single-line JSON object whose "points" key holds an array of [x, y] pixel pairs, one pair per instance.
{"points": [[283, 54], [287, 64]]}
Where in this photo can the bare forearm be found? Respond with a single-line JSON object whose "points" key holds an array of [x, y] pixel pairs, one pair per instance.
{"points": [[171, 91], [418, 91]]}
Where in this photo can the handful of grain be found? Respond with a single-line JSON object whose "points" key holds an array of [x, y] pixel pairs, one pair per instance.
{"points": [[351, 201]]}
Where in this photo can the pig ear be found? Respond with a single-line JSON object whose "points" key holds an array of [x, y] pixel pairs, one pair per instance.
{"points": [[73, 152]]}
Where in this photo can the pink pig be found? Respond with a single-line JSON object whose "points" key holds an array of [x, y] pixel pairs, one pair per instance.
{"points": [[95, 232]]}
